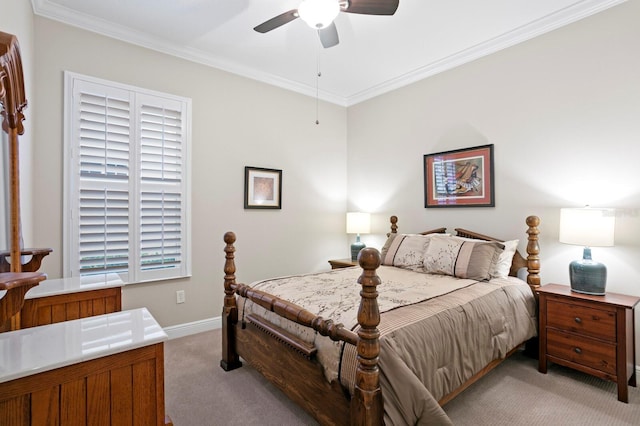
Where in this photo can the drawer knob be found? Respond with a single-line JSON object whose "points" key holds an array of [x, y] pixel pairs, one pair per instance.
{"points": [[578, 320], [577, 350]]}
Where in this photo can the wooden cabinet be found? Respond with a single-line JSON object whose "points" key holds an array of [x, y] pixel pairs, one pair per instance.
{"points": [[125, 388], [69, 306], [593, 334], [342, 263], [103, 370]]}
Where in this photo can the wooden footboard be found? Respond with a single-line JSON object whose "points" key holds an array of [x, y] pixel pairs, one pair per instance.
{"points": [[287, 364], [291, 364]]}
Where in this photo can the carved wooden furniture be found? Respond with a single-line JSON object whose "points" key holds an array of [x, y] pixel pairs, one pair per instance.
{"points": [[16, 285], [290, 363], [33, 263], [593, 334], [106, 369], [13, 101]]}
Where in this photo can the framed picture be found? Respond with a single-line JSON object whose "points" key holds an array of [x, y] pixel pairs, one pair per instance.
{"points": [[262, 188], [460, 178]]}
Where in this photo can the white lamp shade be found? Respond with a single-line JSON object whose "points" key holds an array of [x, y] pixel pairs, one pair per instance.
{"points": [[318, 14], [589, 227], [358, 223]]}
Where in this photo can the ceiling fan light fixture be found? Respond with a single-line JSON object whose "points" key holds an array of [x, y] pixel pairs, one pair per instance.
{"points": [[318, 14]]}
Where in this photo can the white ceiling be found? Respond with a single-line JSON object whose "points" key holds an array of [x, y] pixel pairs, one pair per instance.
{"points": [[376, 54]]}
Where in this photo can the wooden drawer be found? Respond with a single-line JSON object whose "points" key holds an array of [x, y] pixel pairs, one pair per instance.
{"points": [[598, 323], [593, 334], [582, 350]]}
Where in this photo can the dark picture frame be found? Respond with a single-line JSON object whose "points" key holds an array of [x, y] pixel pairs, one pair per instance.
{"points": [[262, 188], [459, 178]]}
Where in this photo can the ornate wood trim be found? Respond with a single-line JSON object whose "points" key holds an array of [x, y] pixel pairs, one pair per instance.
{"points": [[230, 359], [394, 228], [533, 249], [16, 284], [366, 405], [308, 350], [12, 94], [37, 255], [13, 100]]}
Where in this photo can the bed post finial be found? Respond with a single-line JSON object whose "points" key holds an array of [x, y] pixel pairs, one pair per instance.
{"points": [[533, 250], [230, 359], [366, 408], [394, 224]]}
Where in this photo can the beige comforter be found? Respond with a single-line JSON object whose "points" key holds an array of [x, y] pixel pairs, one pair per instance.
{"points": [[436, 331]]}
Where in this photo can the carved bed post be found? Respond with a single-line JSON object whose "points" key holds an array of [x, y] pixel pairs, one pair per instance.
{"points": [[533, 250], [230, 359], [394, 225], [366, 406]]}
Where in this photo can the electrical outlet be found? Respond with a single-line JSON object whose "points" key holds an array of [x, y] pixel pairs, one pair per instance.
{"points": [[180, 296]]}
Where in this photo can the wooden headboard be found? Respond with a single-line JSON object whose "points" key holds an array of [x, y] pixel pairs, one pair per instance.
{"points": [[394, 228], [531, 261]]}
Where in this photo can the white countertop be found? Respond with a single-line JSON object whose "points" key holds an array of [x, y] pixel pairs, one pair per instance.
{"points": [[74, 285], [37, 349]]}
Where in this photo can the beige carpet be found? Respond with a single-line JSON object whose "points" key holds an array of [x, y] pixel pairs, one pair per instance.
{"points": [[199, 393]]}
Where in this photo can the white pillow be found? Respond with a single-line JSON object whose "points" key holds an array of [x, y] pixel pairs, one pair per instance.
{"points": [[503, 265]]}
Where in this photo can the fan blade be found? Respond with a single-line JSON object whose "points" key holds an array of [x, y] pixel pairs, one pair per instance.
{"points": [[277, 21], [329, 36], [372, 7]]}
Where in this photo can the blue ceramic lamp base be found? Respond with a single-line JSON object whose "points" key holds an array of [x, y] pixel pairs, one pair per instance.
{"points": [[356, 247], [587, 276]]}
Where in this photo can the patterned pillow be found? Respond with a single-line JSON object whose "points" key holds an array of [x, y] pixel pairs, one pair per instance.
{"points": [[405, 249], [462, 258]]}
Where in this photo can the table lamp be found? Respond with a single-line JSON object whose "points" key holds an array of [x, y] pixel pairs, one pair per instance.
{"points": [[358, 223], [588, 227]]}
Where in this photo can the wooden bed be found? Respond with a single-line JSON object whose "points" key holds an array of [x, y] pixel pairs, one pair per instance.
{"points": [[291, 363]]}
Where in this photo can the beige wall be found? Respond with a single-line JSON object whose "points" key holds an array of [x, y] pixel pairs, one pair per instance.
{"points": [[237, 122], [563, 111]]}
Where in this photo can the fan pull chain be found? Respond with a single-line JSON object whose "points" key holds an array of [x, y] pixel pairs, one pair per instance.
{"points": [[318, 75]]}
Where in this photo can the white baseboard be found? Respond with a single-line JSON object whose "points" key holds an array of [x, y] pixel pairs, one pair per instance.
{"points": [[187, 329]]}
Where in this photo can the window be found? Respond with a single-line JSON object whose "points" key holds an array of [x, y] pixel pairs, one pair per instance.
{"points": [[126, 181]]}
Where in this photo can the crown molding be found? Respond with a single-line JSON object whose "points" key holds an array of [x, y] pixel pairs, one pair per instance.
{"points": [[541, 26], [49, 10]]}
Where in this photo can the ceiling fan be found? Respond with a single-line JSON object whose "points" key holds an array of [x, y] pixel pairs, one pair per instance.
{"points": [[319, 15]]}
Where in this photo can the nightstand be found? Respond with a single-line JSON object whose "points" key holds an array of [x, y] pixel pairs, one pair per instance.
{"points": [[592, 334], [342, 263]]}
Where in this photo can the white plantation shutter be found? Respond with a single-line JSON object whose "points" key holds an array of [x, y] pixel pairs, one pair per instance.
{"points": [[104, 231], [126, 185], [103, 139], [161, 182]]}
